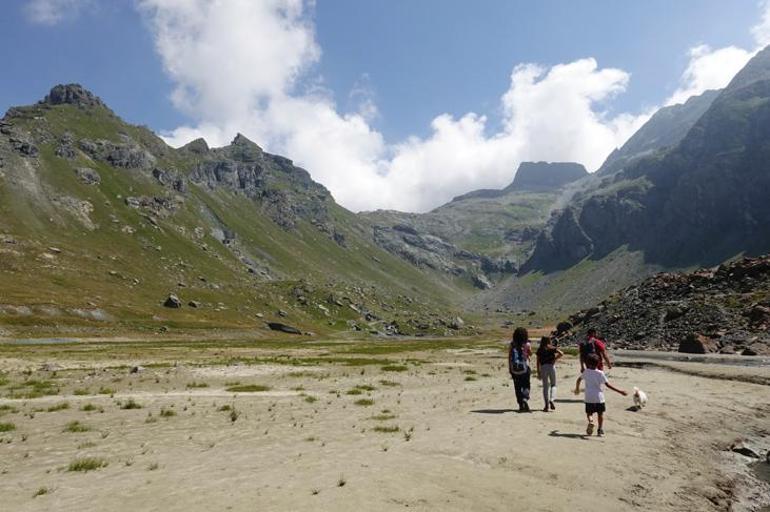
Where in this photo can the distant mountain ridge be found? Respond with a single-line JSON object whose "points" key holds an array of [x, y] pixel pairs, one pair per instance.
{"points": [[534, 176]]}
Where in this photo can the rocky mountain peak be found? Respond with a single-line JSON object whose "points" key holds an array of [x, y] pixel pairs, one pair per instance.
{"points": [[757, 69], [198, 146], [545, 175], [72, 94]]}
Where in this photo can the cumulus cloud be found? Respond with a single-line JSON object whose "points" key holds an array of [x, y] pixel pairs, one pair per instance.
{"points": [[710, 68], [237, 67], [53, 12]]}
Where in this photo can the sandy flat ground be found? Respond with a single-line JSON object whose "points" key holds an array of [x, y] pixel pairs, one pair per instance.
{"points": [[456, 443]]}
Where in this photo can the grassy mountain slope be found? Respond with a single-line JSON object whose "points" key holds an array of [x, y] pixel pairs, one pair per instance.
{"points": [[101, 220]]}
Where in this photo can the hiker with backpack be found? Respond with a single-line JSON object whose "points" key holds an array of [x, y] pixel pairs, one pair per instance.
{"points": [[593, 345], [518, 366]]}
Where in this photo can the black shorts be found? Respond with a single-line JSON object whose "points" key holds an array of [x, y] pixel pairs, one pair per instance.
{"points": [[598, 408]]}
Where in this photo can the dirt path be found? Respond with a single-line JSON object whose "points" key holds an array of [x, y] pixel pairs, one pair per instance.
{"points": [[458, 444]]}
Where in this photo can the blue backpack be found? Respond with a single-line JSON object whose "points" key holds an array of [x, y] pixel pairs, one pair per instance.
{"points": [[519, 364]]}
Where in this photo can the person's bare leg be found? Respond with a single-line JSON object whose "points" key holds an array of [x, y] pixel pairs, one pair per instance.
{"points": [[590, 427], [600, 432]]}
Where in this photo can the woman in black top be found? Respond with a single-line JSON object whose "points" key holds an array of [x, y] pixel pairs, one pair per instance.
{"points": [[547, 355]]}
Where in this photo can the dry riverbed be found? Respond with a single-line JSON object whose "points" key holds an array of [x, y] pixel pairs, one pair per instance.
{"points": [[372, 426]]}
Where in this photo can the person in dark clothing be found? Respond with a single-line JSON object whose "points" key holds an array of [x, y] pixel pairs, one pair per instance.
{"points": [[547, 355], [518, 366]]}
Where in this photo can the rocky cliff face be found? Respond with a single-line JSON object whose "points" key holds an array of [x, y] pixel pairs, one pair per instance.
{"points": [[699, 202], [481, 236]]}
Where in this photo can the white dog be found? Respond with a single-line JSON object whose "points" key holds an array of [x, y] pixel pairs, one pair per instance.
{"points": [[640, 398]]}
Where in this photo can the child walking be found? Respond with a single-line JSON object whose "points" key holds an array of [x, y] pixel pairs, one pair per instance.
{"points": [[594, 394], [547, 355]]}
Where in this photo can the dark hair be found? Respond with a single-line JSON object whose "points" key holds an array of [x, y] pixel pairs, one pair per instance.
{"points": [[520, 336], [545, 342], [591, 331], [592, 361]]}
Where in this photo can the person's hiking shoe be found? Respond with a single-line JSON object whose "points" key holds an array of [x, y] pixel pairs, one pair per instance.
{"points": [[525, 405], [600, 432], [590, 428], [553, 407]]}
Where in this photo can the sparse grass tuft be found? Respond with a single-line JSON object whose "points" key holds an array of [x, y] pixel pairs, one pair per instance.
{"points": [[91, 407], [76, 426], [225, 408], [41, 491], [310, 399], [470, 378], [87, 464], [7, 427], [248, 388], [364, 402], [383, 417], [106, 391], [389, 383], [130, 404], [193, 385], [153, 466], [394, 368], [354, 391], [389, 429], [59, 407], [81, 392], [167, 413]]}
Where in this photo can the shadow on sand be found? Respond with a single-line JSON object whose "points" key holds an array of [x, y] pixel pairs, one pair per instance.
{"points": [[634, 408], [568, 401], [493, 411], [556, 433]]}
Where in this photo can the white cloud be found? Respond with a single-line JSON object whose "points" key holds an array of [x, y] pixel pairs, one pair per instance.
{"points": [[761, 31], [236, 64], [714, 68], [53, 12], [709, 69]]}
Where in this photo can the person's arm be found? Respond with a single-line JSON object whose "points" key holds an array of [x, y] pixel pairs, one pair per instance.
{"points": [[510, 369], [537, 358], [559, 355], [606, 358], [617, 390], [582, 362], [577, 384]]}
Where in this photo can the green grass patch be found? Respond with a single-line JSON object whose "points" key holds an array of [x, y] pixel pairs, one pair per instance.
{"points": [[364, 402], [195, 385], [86, 464], [130, 404], [76, 426], [81, 392], [248, 388], [7, 409], [91, 407], [383, 417], [59, 407], [354, 391], [106, 391], [394, 368], [470, 378], [7, 427], [310, 399], [386, 429]]}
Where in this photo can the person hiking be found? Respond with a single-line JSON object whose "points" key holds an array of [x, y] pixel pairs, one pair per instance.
{"points": [[595, 380], [593, 345], [547, 355], [518, 366]]}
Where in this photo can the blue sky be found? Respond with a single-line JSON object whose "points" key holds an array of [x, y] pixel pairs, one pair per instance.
{"points": [[388, 87]]}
